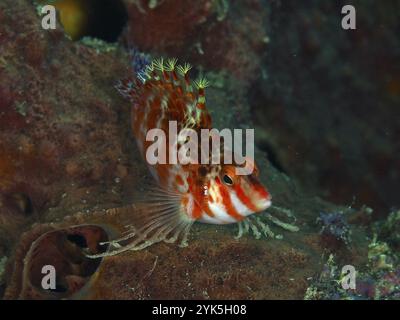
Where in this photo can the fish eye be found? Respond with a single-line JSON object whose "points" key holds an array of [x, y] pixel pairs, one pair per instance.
{"points": [[227, 180]]}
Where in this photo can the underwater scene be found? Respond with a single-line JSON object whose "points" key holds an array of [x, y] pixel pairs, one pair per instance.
{"points": [[199, 150]]}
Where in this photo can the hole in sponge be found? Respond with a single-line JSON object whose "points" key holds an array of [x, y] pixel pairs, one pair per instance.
{"points": [[65, 250], [107, 19], [102, 19], [78, 239]]}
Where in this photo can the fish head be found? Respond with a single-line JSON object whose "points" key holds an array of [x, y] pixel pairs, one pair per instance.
{"points": [[235, 196]]}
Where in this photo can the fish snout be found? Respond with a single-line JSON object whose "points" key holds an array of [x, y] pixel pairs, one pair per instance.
{"points": [[264, 203]]}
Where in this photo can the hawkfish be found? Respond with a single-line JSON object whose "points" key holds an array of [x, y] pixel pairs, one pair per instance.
{"points": [[161, 91]]}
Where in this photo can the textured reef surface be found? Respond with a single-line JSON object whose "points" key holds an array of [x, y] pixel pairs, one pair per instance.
{"points": [[67, 155]]}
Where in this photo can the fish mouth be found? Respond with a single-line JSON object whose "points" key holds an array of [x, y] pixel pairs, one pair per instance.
{"points": [[264, 204]]}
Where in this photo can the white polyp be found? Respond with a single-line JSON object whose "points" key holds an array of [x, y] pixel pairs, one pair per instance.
{"points": [[254, 229], [240, 231], [282, 224], [265, 228]]}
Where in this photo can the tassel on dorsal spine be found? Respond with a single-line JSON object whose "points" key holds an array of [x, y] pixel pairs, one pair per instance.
{"points": [[201, 84], [183, 70], [167, 71], [171, 67], [171, 64]]}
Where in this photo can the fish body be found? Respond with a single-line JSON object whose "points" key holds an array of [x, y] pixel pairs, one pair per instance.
{"points": [[161, 92]]}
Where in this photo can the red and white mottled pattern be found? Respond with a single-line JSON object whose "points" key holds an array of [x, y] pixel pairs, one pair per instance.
{"points": [[167, 94]]}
